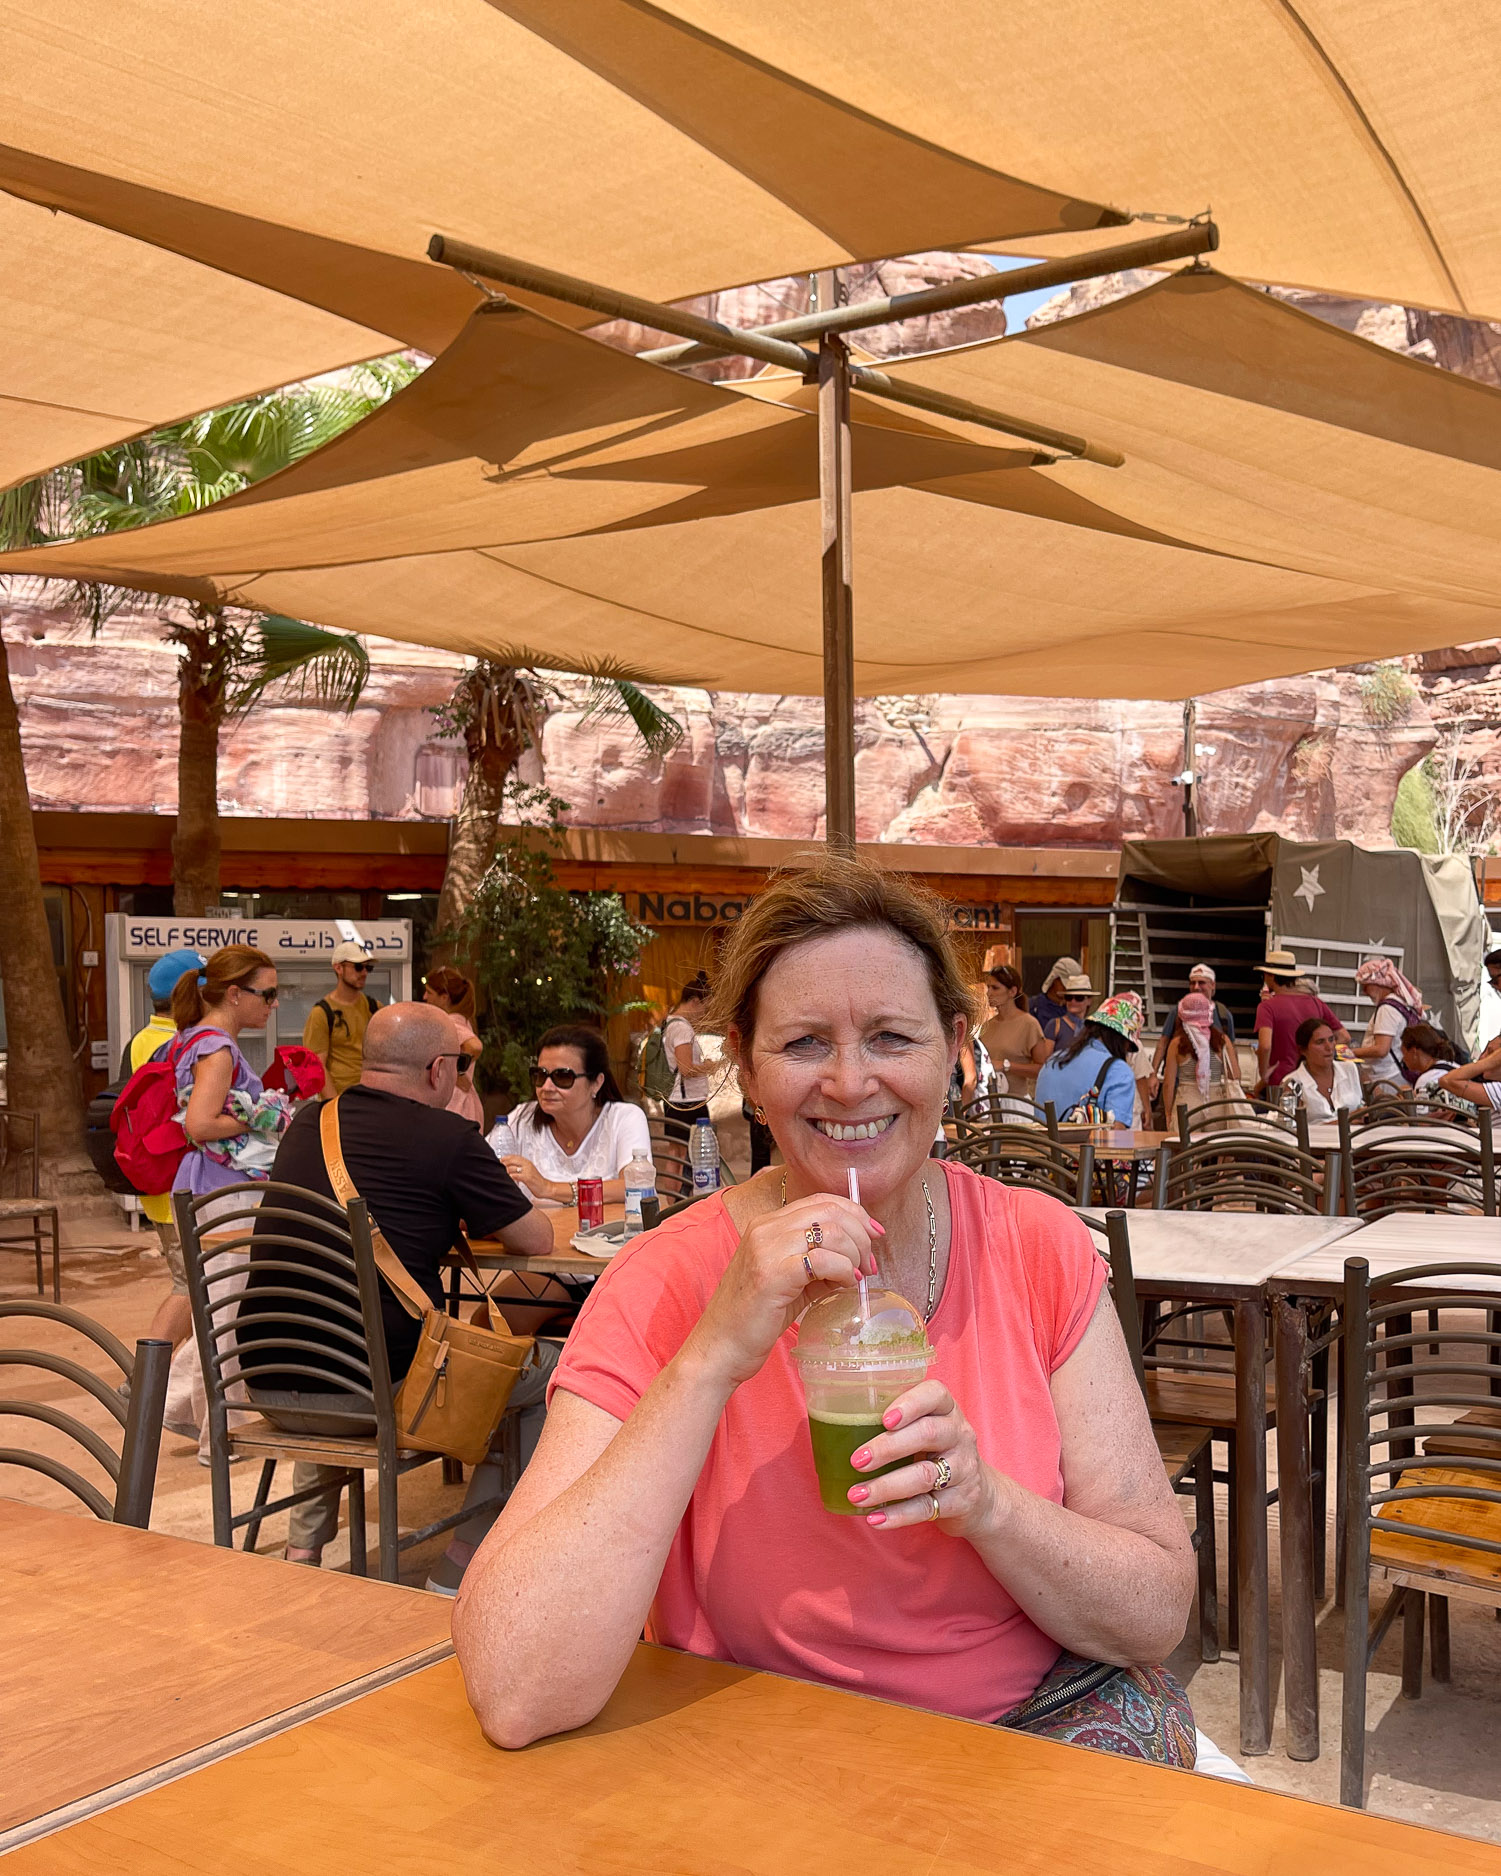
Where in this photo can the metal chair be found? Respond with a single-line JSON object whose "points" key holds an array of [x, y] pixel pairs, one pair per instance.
{"points": [[1238, 1172], [1432, 1530], [286, 1296], [1187, 1451], [132, 1470], [1231, 1116], [669, 1152], [1026, 1156], [1014, 1110], [1433, 1160], [21, 1203]]}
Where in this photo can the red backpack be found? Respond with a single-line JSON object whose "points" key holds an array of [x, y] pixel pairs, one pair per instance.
{"points": [[149, 1140]]}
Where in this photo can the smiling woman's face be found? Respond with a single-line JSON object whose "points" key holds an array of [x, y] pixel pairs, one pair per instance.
{"points": [[849, 1060]]}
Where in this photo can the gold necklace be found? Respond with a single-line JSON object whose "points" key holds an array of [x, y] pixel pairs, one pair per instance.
{"points": [[927, 1199]]}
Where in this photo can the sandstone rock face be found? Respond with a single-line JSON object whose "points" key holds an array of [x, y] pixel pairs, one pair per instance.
{"points": [[1301, 756]]}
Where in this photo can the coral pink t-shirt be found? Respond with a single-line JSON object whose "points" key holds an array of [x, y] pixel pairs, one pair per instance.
{"points": [[759, 1573]]}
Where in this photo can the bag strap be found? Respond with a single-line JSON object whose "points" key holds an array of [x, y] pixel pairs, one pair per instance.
{"points": [[1099, 1080], [409, 1293]]}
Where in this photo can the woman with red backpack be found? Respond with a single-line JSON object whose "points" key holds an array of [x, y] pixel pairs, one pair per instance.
{"points": [[234, 991]]}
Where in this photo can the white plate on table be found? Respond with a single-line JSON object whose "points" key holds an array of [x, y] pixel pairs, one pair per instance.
{"points": [[600, 1240]]}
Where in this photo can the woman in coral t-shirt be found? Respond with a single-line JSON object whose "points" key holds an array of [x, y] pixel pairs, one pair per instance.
{"points": [[1030, 1536]]}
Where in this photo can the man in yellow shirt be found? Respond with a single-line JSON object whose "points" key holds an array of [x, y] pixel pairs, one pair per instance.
{"points": [[336, 1024], [174, 1319]]}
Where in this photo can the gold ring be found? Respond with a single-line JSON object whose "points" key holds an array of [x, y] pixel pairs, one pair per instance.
{"points": [[814, 1236], [932, 1506], [807, 1265], [942, 1475]]}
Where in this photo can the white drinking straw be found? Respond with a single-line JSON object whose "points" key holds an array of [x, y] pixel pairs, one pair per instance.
{"points": [[854, 1179]]}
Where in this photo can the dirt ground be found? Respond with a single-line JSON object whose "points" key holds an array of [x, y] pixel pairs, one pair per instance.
{"points": [[1432, 1761]]}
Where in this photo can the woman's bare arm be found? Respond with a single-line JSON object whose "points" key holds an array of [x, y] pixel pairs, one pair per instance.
{"points": [[1170, 1080], [205, 1118]]}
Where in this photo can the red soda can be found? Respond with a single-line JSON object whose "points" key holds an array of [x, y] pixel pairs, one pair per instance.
{"points": [[591, 1203]]}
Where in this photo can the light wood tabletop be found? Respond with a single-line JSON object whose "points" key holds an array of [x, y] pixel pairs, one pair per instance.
{"points": [[695, 1766], [491, 1254], [1122, 1143], [125, 1651]]}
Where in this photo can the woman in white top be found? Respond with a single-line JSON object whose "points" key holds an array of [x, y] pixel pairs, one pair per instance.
{"points": [[690, 1091], [578, 1127], [1398, 1003], [1324, 1083]]}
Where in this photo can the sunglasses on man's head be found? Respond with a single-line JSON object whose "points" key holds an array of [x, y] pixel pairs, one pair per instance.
{"points": [[560, 1077]]}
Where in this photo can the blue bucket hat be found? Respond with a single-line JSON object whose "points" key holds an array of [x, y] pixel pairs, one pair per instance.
{"points": [[161, 979]]}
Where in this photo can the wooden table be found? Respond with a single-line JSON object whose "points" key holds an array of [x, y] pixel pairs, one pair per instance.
{"points": [[491, 1254], [1318, 1276], [1117, 1143], [696, 1767], [129, 1658], [1227, 1258]]}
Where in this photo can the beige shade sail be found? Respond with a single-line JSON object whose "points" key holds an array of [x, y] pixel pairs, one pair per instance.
{"points": [[1293, 498], [1350, 145], [102, 336], [369, 125]]}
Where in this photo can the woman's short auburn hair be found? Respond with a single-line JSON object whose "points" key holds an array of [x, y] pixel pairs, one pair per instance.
{"points": [[837, 893]]}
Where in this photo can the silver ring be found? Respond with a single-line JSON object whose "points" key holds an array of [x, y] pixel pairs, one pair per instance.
{"points": [[807, 1265], [932, 1506], [814, 1236], [942, 1475]]}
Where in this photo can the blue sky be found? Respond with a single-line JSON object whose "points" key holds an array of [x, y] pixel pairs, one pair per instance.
{"points": [[1019, 309]]}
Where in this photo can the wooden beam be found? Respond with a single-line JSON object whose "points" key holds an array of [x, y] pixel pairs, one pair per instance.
{"points": [[834, 486]]}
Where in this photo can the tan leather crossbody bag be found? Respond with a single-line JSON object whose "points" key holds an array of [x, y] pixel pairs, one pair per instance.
{"points": [[456, 1390]]}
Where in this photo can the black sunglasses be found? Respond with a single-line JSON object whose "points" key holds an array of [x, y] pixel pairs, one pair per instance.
{"points": [[268, 997], [448, 1055], [560, 1077], [359, 967]]}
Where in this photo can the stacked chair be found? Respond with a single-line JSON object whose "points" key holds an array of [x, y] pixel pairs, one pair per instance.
{"points": [[134, 1402]]}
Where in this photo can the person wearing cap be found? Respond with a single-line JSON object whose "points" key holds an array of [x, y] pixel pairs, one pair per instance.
{"points": [[1075, 992], [1095, 1066], [174, 1319], [336, 1024], [1282, 1011], [1201, 983], [1044, 1006]]}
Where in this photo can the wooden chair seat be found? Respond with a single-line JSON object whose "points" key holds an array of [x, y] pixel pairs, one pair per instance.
{"points": [[1456, 1443], [1476, 1572], [263, 1441], [1207, 1399], [1179, 1447], [27, 1208]]}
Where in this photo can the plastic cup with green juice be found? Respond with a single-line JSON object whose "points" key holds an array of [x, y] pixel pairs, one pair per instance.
{"points": [[856, 1353]]}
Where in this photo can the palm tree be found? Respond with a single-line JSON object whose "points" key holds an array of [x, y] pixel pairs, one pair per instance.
{"points": [[230, 657], [499, 706]]}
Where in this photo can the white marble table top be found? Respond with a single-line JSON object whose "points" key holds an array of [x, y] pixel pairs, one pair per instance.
{"points": [[1393, 1243], [1231, 1250]]}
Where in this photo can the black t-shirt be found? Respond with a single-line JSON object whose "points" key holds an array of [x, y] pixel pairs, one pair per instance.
{"points": [[422, 1171]]}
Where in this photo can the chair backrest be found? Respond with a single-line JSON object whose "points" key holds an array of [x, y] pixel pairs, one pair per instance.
{"points": [[1114, 1228], [286, 1299], [1410, 1109], [1244, 1114], [1393, 1373], [1417, 1170], [669, 1154], [1015, 1110], [20, 1154], [130, 1470], [1026, 1156], [1244, 1172]]}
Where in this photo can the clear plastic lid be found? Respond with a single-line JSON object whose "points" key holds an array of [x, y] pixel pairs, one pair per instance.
{"points": [[838, 1334]]}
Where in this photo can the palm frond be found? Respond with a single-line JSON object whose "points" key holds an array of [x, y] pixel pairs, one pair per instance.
{"points": [[327, 668], [610, 696]]}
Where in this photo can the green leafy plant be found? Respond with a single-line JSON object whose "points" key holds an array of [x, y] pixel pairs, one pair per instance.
{"points": [[540, 955], [1387, 695]]}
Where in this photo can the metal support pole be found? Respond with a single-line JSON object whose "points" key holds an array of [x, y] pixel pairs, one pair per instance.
{"points": [[1190, 732], [838, 610]]}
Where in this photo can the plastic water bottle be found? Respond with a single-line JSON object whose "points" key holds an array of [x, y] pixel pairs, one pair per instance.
{"points": [[502, 1139], [640, 1185], [703, 1157]]}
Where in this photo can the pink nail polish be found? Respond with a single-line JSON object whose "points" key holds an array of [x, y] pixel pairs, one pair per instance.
{"points": [[891, 1418], [860, 1459], [875, 1517], [859, 1494], [877, 1227]]}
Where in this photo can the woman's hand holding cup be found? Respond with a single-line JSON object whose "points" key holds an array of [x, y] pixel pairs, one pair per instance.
{"points": [[768, 1284], [927, 1427]]}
